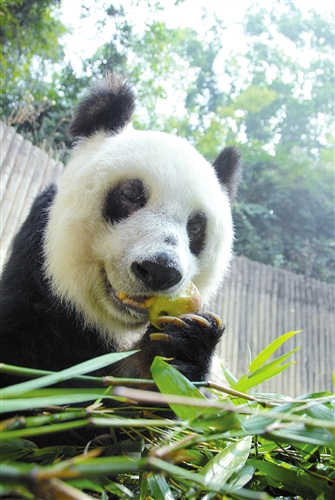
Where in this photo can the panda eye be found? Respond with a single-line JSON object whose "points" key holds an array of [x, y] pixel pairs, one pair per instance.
{"points": [[196, 230], [132, 193], [123, 200]]}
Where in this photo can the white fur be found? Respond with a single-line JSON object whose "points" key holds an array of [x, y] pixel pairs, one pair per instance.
{"points": [[79, 243]]}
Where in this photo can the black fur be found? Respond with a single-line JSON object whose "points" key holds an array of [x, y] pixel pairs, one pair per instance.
{"points": [[124, 199], [36, 330], [196, 230], [108, 106], [228, 167]]}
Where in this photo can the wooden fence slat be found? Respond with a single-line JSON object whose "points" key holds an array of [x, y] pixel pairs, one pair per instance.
{"points": [[11, 145], [11, 201], [273, 302], [7, 135]]}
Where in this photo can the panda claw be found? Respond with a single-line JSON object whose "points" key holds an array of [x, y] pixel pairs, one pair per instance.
{"points": [[202, 321], [216, 318], [160, 336], [163, 320]]}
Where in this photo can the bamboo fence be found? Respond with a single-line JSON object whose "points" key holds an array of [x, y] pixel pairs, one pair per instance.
{"points": [[25, 169], [259, 303]]}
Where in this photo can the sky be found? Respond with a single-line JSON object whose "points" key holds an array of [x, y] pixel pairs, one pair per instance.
{"points": [[85, 39]]}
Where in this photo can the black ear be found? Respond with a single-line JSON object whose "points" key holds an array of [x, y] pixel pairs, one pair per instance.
{"points": [[108, 106], [228, 168]]}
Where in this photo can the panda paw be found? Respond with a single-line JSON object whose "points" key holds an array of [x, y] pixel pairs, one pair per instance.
{"points": [[189, 340]]}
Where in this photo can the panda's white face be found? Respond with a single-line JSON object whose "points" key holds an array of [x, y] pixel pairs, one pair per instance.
{"points": [[137, 214]]}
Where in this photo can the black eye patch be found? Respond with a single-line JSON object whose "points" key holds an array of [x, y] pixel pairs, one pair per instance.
{"points": [[124, 199], [196, 230]]}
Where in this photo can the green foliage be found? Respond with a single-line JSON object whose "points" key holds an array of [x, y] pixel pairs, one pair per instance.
{"points": [[228, 446], [259, 369], [29, 42], [28, 29], [284, 215]]}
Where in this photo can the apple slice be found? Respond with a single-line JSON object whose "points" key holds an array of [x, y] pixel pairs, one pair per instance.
{"points": [[188, 301]]}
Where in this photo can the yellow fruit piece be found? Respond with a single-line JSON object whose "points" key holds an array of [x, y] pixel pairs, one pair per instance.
{"points": [[189, 301]]}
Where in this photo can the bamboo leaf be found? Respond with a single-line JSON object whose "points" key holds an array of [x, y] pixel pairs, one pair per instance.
{"points": [[256, 380], [264, 373], [270, 366], [158, 487], [42, 430], [303, 434], [21, 404], [61, 391], [23, 371], [294, 479], [58, 490], [227, 462], [242, 477], [222, 421], [322, 412], [266, 353], [82, 368], [232, 381], [170, 381]]}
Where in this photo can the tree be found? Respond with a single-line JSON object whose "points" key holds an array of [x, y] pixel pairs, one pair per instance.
{"points": [[301, 86], [28, 31], [29, 40], [285, 213]]}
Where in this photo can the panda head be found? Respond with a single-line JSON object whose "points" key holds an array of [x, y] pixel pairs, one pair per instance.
{"points": [[137, 214]]}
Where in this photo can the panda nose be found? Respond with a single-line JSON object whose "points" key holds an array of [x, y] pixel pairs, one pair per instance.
{"points": [[157, 275]]}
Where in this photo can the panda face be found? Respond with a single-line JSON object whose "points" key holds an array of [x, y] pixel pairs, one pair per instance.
{"points": [[137, 214]]}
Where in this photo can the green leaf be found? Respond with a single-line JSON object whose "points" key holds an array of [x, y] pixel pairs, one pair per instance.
{"points": [[257, 424], [16, 448], [264, 373], [242, 477], [227, 462], [170, 381], [231, 379], [220, 421], [159, 487], [303, 434], [80, 369], [43, 429], [266, 353], [321, 412], [20, 404], [270, 366], [294, 479], [256, 380], [62, 391]]}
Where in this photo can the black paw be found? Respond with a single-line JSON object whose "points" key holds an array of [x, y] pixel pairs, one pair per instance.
{"points": [[189, 340]]}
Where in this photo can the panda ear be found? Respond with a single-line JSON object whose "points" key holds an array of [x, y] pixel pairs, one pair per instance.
{"points": [[108, 106], [228, 168]]}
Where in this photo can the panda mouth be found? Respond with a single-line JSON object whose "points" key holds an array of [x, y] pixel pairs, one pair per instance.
{"points": [[139, 304], [135, 305]]}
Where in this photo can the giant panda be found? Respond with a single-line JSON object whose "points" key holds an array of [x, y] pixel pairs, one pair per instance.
{"points": [[136, 214]]}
